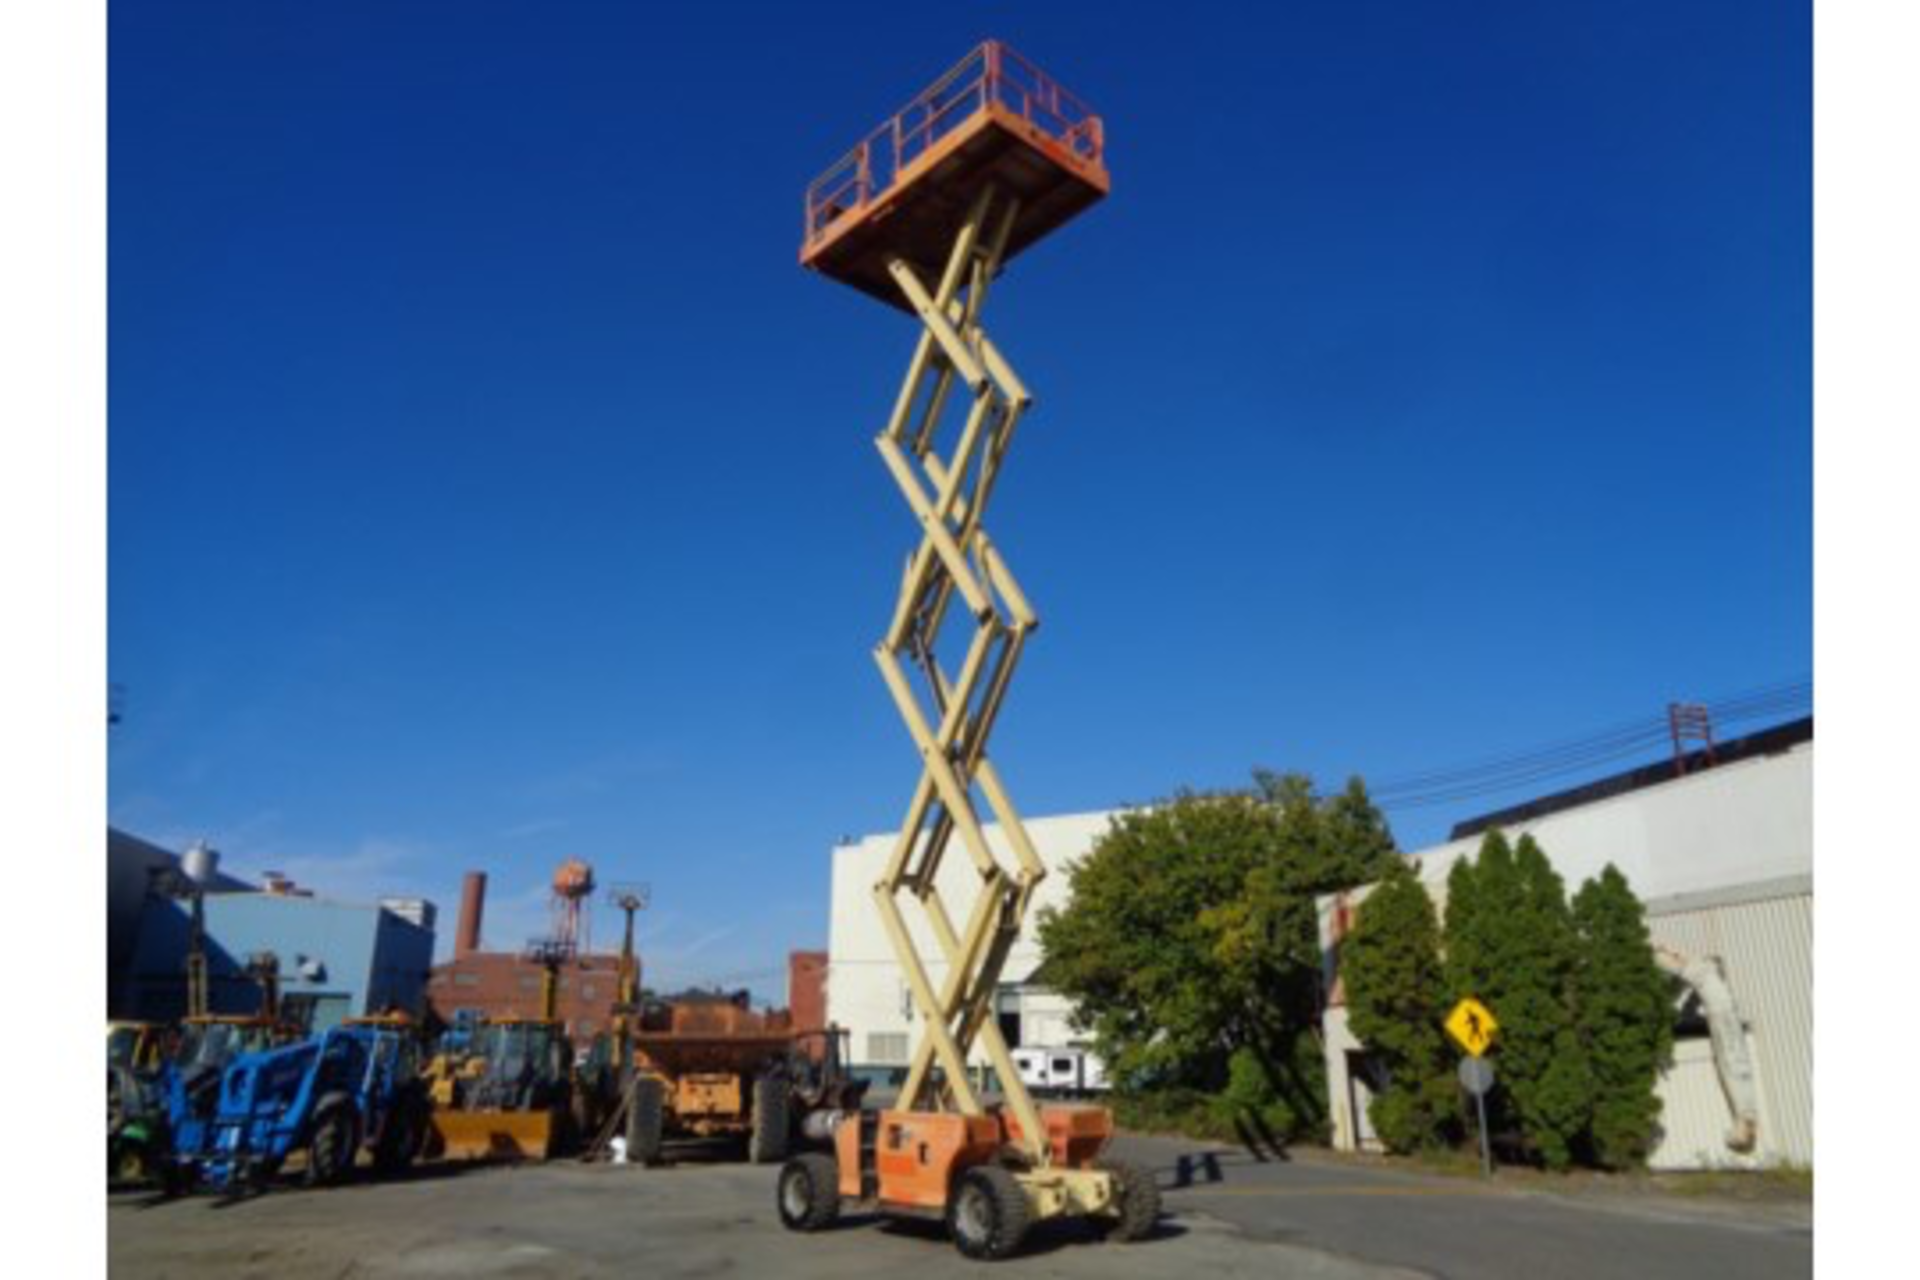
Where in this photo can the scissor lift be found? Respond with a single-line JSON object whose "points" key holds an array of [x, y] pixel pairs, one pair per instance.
{"points": [[923, 215]]}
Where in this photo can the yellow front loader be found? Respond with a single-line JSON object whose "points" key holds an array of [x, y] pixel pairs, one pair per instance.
{"points": [[510, 1097]]}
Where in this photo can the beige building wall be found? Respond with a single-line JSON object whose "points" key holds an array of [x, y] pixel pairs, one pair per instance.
{"points": [[1724, 861]]}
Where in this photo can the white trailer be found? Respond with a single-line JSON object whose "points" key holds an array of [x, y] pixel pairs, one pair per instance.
{"points": [[1065, 1072]]}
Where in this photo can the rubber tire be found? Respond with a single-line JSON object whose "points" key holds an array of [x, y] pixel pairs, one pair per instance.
{"points": [[583, 1118], [646, 1120], [127, 1161], [808, 1192], [1139, 1201], [175, 1181], [123, 1097], [771, 1136], [402, 1139], [331, 1150], [994, 1196]]}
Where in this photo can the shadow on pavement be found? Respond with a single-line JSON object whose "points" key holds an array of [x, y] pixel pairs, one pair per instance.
{"points": [[1259, 1140], [1201, 1167], [1047, 1237]]}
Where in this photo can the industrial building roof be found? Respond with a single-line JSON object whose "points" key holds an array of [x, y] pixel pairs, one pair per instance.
{"points": [[1773, 741]]}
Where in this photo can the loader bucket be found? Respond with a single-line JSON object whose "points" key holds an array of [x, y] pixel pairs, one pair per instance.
{"points": [[495, 1135]]}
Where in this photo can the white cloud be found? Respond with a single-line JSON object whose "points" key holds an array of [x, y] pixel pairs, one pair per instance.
{"points": [[532, 827]]}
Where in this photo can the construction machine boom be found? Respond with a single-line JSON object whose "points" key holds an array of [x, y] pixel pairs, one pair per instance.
{"points": [[925, 214]]}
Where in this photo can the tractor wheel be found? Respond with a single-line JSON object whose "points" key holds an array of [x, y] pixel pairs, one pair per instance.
{"points": [[583, 1118], [175, 1180], [768, 1141], [646, 1119], [987, 1213], [127, 1158], [809, 1192], [1136, 1201], [331, 1151], [401, 1140], [122, 1097]]}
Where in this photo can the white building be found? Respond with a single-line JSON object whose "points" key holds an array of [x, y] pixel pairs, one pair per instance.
{"points": [[866, 990], [1723, 860]]}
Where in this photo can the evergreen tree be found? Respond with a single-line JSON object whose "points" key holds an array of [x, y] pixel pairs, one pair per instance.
{"points": [[1510, 942], [1396, 998], [1542, 1055], [1626, 1015], [1479, 891]]}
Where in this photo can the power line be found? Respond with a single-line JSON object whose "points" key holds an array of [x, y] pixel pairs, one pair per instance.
{"points": [[1574, 749], [1498, 774], [1511, 782], [1730, 707]]}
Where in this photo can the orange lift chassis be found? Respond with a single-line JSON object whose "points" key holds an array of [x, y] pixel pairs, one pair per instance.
{"points": [[924, 214]]}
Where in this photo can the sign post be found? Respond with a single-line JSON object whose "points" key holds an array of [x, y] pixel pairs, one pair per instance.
{"points": [[1472, 1025], [1476, 1077]]}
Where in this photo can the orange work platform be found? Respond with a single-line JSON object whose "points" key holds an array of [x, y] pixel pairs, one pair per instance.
{"points": [[905, 190]]}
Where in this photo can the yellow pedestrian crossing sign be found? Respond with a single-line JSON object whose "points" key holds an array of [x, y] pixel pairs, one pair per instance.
{"points": [[1472, 1024]]}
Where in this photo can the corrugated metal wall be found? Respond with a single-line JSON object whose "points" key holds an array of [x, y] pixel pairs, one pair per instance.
{"points": [[1766, 948]]}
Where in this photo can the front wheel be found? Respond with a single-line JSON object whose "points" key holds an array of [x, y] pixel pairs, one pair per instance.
{"points": [[988, 1213], [767, 1141], [1136, 1201], [646, 1119], [402, 1138], [809, 1192], [330, 1154]]}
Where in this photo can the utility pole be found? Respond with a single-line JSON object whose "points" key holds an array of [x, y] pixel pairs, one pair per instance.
{"points": [[631, 899], [173, 883]]}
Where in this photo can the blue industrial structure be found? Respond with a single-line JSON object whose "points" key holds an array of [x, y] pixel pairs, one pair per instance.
{"points": [[132, 866], [336, 959]]}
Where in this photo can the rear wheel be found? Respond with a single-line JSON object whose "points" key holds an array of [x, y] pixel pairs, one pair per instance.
{"points": [[646, 1119], [1136, 1199], [123, 1094], [767, 1141], [175, 1179], [809, 1192], [127, 1156], [330, 1153], [402, 1138], [988, 1213]]}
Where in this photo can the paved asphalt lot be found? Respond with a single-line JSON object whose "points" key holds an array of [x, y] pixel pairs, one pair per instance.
{"points": [[1227, 1215]]}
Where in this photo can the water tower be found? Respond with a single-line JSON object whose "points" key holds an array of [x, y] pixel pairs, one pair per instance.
{"points": [[573, 887]]}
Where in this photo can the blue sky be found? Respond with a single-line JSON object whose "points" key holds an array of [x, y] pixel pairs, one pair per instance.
{"points": [[488, 485]]}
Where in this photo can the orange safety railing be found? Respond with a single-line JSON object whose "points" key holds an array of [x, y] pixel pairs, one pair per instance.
{"points": [[992, 73]]}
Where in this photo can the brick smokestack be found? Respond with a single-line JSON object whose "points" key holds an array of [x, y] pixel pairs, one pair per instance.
{"points": [[807, 989], [473, 900]]}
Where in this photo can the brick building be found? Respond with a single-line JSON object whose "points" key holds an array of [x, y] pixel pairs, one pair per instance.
{"points": [[507, 984]]}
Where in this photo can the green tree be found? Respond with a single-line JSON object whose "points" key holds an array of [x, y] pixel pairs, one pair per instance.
{"points": [[1396, 997], [1190, 936], [1510, 941], [1552, 1081], [1476, 888], [1626, 1016], [1478, 892]]}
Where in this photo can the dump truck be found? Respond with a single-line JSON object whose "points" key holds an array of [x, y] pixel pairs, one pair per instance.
{"points": [[708, 1065]]}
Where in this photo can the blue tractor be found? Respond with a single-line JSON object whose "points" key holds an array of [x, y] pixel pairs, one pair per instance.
{"points": [[325, 1099]]}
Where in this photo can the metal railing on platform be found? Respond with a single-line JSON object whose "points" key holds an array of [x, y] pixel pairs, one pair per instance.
{"points": [[992, 73]]}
